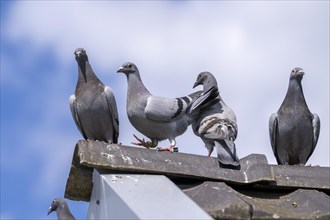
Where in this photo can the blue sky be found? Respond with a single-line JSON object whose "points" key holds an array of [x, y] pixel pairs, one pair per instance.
{"points": [[250, 47]]}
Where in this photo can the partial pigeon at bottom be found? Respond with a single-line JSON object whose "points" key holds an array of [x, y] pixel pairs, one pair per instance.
{"points": [[62, 209]]}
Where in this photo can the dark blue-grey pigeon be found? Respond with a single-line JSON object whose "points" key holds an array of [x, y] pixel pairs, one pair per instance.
{"points": [[156, 117], [293, 129], [215, 123], [93, 105], [62, 209]]}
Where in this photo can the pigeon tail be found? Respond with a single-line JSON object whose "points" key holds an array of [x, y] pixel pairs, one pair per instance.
{"points": [[226, 152]]}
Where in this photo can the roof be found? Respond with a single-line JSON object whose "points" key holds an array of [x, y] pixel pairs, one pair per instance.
{"points": [[257, 190]]}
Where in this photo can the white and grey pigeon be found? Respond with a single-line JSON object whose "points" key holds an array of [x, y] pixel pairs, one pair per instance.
{"points": [[93, 105], [293, 129], [215, 123], [62, 209], [156, 117]]}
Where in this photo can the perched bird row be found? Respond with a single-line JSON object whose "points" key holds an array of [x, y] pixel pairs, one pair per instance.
{"points": [[294, 130]]}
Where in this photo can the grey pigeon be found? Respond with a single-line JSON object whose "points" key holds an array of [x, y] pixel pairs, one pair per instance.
{"points": [[62, 209], [93, 105], [156, 117], [293, 129], [215, 123]]}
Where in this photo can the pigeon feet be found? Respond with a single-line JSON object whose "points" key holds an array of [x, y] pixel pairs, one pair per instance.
{"points": [[143, 143], [170, 148]]}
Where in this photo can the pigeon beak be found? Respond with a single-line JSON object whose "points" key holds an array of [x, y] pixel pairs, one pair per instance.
{"points": [[50, 210], [78, 53], [197, 83], [301, 72], [120, 69]]}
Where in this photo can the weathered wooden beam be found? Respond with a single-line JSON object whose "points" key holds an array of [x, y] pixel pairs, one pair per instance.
{"points": [[124, 159], [254, 168], [79, 184], [302, 177]]}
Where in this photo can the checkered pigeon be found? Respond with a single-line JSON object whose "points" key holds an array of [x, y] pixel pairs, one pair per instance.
{"points": [[215, 123], [156, 117]]}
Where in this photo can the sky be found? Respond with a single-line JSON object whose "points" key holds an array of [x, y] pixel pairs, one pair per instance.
{"points": [[250, 47]]}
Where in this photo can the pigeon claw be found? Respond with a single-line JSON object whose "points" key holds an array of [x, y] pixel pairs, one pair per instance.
{"points": [[170, 148], [143, 143]]}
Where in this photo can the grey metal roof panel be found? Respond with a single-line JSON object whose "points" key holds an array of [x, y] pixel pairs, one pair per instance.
{"points": [[135, 196]]}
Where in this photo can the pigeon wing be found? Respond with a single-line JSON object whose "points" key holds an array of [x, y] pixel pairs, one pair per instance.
{"points": [[113, 111], [316, 130], [74, 112], [273, 123], [165, 109], [207, 99]]}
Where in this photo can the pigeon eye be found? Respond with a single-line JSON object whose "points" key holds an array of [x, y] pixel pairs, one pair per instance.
{"points": [[129, 65]]}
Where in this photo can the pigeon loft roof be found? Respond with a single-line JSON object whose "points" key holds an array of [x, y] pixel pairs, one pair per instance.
{"points": [[258, 190]]}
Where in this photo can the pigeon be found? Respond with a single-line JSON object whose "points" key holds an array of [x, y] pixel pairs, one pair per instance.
{"points": [[62, 209], [215, 123], [156, 117], [293, 129], [93, 105]]}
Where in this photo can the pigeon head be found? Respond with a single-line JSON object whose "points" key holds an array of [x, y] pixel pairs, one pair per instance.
{"points": [[206, 79], [297, 73], [81, 55], [127, 68], [57, 203]]}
